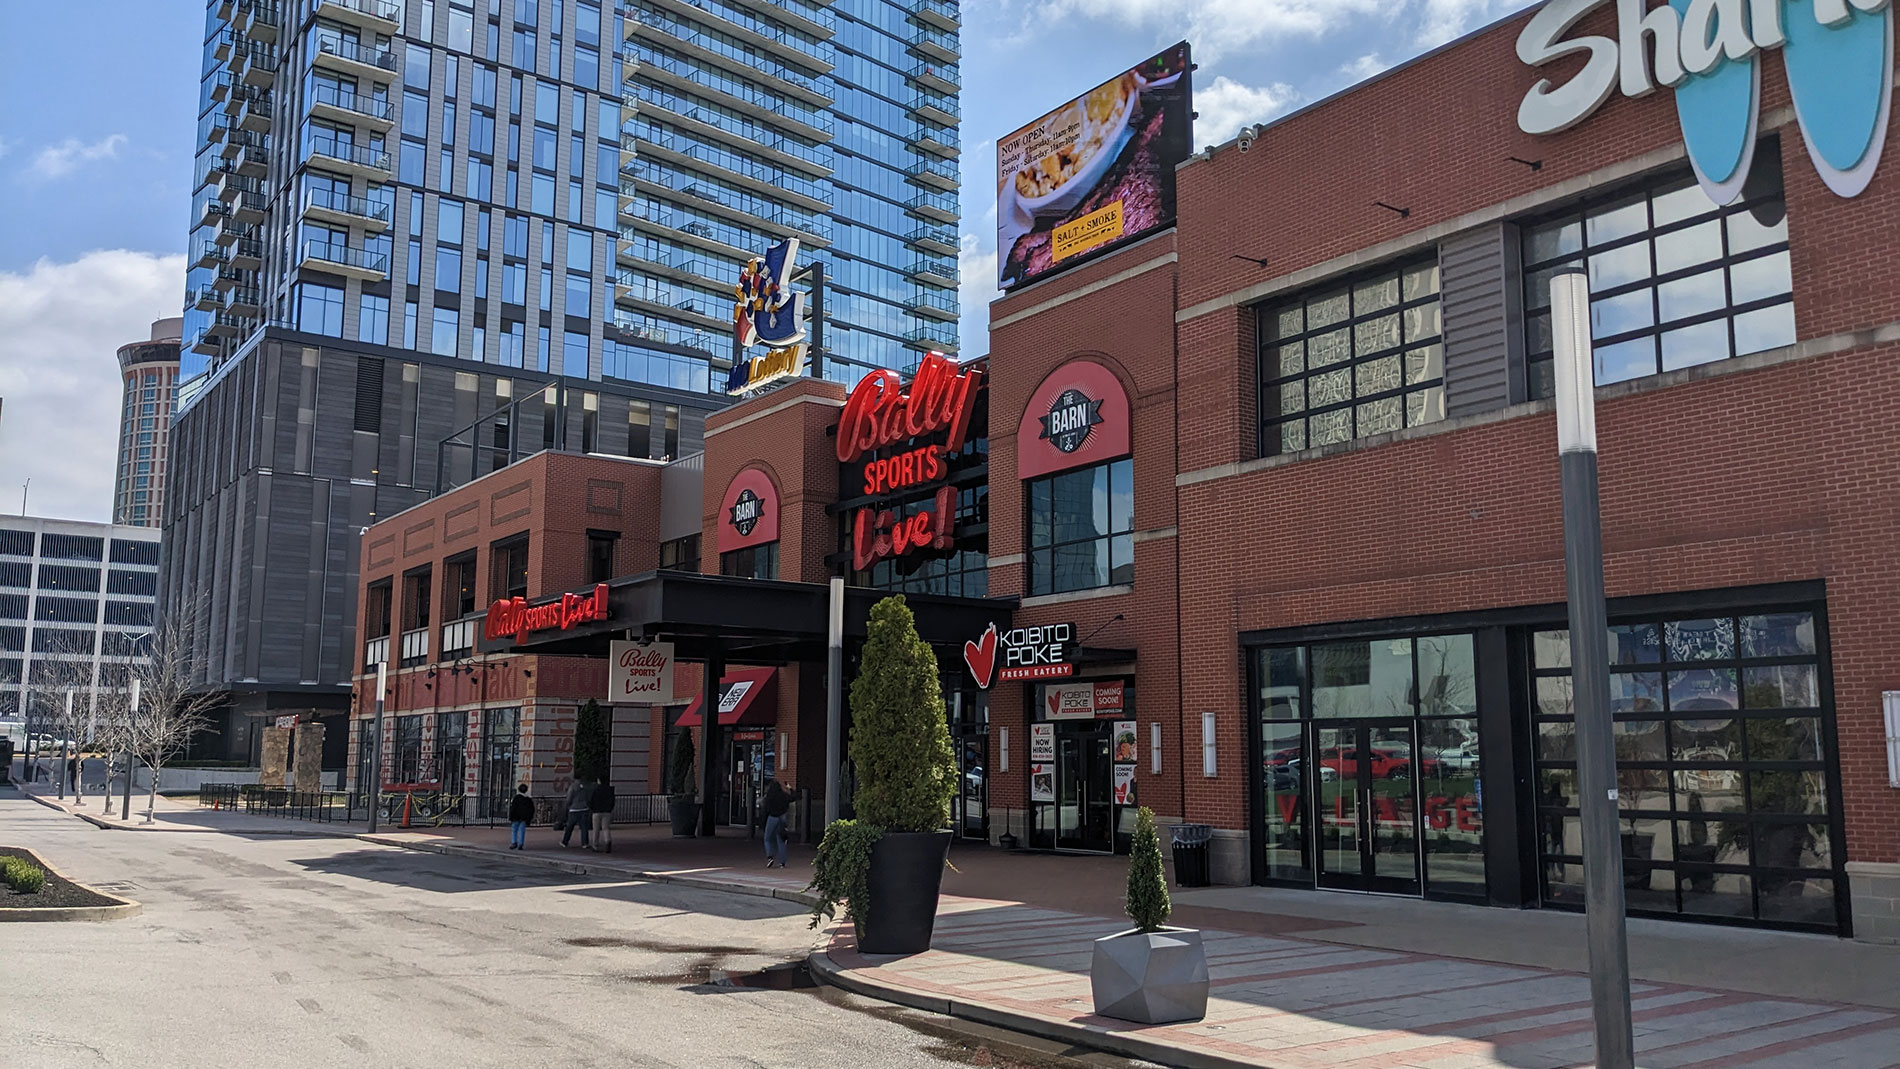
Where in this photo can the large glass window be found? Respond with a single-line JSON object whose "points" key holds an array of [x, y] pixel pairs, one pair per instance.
{"points": [[508, 568], [1352, 359], [320, 309], [680, 554], [1675, 281], [1081, 529], [753, 562], [1724, 769]]}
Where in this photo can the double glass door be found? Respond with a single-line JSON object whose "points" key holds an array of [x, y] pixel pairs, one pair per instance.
{"points": [[1085, 793], [1365, 777]]}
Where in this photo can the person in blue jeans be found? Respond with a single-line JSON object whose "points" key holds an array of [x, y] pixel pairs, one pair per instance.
{"points": [[520, 812], [778, 802]]}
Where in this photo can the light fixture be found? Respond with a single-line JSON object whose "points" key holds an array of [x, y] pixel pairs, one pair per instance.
{"points": [[1210, 767], [1002, 755], [1154, 749]]}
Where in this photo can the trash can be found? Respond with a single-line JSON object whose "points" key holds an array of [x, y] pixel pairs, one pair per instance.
{"points": [[1190, 853]]}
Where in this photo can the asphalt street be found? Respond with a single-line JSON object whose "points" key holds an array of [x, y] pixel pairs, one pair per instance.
{"points": [[277, 952]]}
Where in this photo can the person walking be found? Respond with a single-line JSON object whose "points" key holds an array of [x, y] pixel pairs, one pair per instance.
{"points": [[577, 815], [520, 813], [600, 805], [778, 802]]}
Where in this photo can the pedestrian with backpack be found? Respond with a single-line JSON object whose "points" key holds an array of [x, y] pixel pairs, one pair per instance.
{"points": [[520, 815], [600, 806]]}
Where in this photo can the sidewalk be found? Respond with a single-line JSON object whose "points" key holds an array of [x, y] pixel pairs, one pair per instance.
{"points": [[179, 815], [1300, 978]]}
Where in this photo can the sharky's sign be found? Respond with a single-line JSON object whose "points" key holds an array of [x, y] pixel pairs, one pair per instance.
{"points": [[515, 618], [881, 413]]}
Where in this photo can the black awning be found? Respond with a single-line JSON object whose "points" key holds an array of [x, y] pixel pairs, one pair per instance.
{"points": [[751, 621]]}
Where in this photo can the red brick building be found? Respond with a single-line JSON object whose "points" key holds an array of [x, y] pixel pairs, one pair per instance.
{"points": [[1276, 493]]}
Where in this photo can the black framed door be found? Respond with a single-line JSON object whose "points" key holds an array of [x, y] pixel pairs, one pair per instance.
{"points": [[1363, 777], [1085, 793]]}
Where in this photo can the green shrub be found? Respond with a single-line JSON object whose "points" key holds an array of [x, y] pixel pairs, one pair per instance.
{"points": [[900, 745], [22, 875], [680, 777], [841, 872], [1148, 903], [591, 744]]}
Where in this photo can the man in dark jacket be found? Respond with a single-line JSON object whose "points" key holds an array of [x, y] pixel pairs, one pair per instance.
{"points": [[520, 813], [778, 802], [576, 812], [600, 805]]}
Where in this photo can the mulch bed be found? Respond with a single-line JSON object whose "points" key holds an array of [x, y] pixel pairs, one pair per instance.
{"points": [[58, 891]]}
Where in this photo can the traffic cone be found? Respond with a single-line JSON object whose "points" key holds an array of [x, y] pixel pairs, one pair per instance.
{"points": [[407, 800]]}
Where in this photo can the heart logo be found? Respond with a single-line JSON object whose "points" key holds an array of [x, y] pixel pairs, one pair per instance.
{"points": [[1055, 703], [980, 657]]}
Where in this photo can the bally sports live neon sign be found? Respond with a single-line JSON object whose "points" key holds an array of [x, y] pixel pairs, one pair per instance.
{"points": [[1838, 54], [515, 618], [881, 413]]}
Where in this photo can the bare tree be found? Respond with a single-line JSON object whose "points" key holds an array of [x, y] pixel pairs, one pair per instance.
{"points": [[61, 690], [170, 710]]}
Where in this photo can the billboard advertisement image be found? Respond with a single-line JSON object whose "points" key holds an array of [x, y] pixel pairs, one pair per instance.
{"points": [[1096, 173]]}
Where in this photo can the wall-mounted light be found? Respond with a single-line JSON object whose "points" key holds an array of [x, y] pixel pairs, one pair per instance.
{"points": [[1154, 748], [1209, 766], [1002, 757]]}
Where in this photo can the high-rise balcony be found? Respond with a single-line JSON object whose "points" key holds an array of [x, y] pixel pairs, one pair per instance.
{"points": [[219, 89], [939, 207], [656, 219], [252, 156], [377, 16], [248, 208], [349, 57], [224, 325], [742, 207], [937, 239], [256, 64], [342, 155], [933, 305], [937, 77], [213, 127], [210, 254], [321, 204], [755, 30], [204, 298], [813, 18], [930, 43], [663, 30], [931, 339], [223, 45], [254, 113], [258, 19], [934, 272], [341, 259], [936, 140], [759, 177], [943, 14], [743, 134], [933, 175], [741, 96], [329, 102], [936, 108], [212, 212], [247, 254], [244, 301]]}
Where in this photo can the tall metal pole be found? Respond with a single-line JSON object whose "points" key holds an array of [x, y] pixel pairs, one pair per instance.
{"points": [[834, 699], [1590, 671], [64, 744], [131, 737], [818, 319], [376, 748]]}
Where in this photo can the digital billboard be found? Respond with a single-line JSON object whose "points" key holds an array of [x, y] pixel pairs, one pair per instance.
{"points": [[1095, 173]]}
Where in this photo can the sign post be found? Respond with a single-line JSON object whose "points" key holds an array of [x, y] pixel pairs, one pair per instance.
{"points": [[376, 748], [834, 698]]}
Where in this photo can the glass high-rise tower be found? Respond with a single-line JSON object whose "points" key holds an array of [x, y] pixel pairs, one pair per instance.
{"points": [[433, 236]]}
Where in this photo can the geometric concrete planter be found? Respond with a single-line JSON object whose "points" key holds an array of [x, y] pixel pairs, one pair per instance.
{"points": [[1150, 977]]}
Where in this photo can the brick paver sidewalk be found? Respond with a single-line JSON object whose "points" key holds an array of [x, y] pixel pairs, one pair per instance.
{"points": [[1290, 1002]]}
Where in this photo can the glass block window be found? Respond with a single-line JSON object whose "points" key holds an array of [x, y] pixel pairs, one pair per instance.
{"points": [[1725, 767], [1675, 281], [1352, 359]]}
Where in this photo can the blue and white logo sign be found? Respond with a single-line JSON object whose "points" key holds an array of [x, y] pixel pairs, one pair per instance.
{"points": [[768, 312], [1838, 54]]}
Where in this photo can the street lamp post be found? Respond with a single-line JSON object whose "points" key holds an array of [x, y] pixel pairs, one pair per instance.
{"points": [[65, 745], [125, 810], [834, 698], [1607, 937], [376, 748]]}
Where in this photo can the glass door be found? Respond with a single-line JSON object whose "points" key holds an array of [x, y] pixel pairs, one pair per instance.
{"points": [[1084, 789], [1368, 814]]}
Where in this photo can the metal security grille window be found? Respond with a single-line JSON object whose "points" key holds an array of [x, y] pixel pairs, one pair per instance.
{"points": [[1358, 358], [1674, 280], [1725, 770], [1081, 529]]}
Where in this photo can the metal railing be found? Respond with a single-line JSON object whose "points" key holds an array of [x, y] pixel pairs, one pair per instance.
{"points": [[343, 48], [355, 103], [330, 200], [349, 153], [376, 9], [331, 252]]}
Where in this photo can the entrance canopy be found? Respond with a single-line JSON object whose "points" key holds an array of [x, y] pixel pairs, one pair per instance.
{"points": [[746, 696], [740, 621]]}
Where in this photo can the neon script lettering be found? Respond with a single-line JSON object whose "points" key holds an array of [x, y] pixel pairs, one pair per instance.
{"points": [[1838, 54], [880, 412], [879, 534], [514, 617]]}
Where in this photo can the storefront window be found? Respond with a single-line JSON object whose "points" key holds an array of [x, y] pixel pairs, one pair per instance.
{"points": [[1081, 529], [1724, 769], [680, 554], [752, 562], [1353, 359], [1675, 280], [500, 741]]}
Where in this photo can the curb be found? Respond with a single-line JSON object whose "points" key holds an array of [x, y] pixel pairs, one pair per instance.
{"points": [[126, 907], [1123, 1044], [108, 824], [581, 868]]}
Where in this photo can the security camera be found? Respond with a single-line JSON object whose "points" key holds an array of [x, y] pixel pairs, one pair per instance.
{"points": [[1248, 135]]}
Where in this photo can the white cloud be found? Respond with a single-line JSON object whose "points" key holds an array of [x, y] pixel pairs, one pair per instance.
{"points": [[1226, 105], [976, 272], [1364, 67], [1215, 26], [57, 161], [60, 325], [1446, 20], [5, 146]]}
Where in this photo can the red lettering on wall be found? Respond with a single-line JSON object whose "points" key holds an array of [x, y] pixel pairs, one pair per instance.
{"points": [[514, 617], [877, 534], [880, 412]]}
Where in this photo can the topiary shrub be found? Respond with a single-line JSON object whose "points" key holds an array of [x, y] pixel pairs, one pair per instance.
{"points": [[1148, 903], [679, 779], [22, 875], [900, 744], [591, 743]]}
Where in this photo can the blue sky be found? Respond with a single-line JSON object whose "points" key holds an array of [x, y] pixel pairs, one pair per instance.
{"points": [[100, 121]]}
